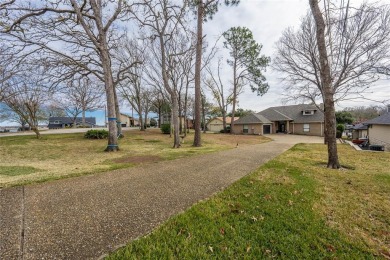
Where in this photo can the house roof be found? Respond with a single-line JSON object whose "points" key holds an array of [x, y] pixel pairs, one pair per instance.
{"points": [[252, 119], [293, 113], [69, 120], [284, 113], [380, 120], [360, 127], [228, 119]]}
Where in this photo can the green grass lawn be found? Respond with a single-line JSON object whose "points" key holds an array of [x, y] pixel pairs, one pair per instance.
{"points": [[24, 159], [292, 207]]}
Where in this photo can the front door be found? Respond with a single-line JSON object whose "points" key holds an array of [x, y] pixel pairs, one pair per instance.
{"points": [[266, 129], [282, 127]]}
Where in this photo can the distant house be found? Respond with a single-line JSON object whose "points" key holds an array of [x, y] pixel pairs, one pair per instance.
{"points": [[128, 121], [166, 119], [216, 124], [63, 122], [359, 131], [379, 130], [296, 119]]}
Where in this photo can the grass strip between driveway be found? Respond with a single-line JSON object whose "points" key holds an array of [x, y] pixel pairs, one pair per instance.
{"points": [[292, 207]]}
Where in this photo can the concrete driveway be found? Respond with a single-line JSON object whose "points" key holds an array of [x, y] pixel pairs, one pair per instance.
{"points": [[89, 216]]}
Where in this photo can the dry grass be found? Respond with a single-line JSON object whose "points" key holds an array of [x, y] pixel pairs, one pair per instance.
{"points": [[355, 199], [57, 156], [290, 208]]}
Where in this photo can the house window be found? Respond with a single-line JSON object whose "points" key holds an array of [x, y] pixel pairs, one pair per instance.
{"points": [[245, 129], [308, 112], [306, 127]]}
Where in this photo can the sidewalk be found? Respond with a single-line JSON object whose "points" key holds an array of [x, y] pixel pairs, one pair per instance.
{"points": [[87, 217]]}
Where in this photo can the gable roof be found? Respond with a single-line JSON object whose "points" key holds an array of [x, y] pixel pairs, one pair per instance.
{"points": [[380, 120], [360, 127], [69, 120], [228, 119], [252, 119], [293, 113]]}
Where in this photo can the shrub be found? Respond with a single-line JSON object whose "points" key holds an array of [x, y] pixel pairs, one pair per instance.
{"points": [[340, 127], [339, 134], [227, 130], [165, 128], [96, 134]]}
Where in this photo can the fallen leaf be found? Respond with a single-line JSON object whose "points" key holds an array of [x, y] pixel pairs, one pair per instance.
{"points": [[222, 231], [330, 248], [211, 249]]}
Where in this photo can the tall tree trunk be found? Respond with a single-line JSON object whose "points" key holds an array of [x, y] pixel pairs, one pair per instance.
{"points": [[141, 120], [198, 63], [224, 121], [185, 109], [180, 117], [204, 114], [146, 118], [74, 122], [159, 116], [83, 117], [326, 82], [118, 115], [234, 96], [112, 145], [175, 119], [36, 131]]}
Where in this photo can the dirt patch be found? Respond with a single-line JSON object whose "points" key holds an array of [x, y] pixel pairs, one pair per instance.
{"points": [[138, 159]]}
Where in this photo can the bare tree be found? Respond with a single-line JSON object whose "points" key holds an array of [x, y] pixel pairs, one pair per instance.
{"points": [[334, 59], [81, 94], [215, 84], [74, 34], [7, 114], [25, 96], [163, 18]]}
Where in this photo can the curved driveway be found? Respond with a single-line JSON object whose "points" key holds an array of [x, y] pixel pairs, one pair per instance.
{"points": [[89, 216]]}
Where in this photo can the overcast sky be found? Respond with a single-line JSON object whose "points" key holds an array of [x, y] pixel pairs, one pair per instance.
{"points": [[267, 19]]}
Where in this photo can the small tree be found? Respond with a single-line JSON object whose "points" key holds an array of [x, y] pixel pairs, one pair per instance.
{"points": [[344, 117], [80, 95], [246, 62], [25, 96], [215, 84]]}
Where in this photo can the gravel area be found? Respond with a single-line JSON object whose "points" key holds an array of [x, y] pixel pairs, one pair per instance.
{"points": [[89, 216]]}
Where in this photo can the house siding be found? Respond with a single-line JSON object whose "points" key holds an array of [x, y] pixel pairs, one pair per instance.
{"points": [[215, 125], [125, 121], [315, 129], [253, 129], [380, 134], [359, 134]]}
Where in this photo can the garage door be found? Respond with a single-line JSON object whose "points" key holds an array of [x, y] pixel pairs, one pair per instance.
{"points": [[266, 129]]}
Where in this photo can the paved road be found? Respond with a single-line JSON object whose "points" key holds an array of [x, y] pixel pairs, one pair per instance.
{"points": [[87, 217]]}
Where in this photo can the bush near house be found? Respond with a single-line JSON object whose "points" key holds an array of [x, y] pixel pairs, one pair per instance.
{"points": [[96, 134], [165, 128], [340, 129]]}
